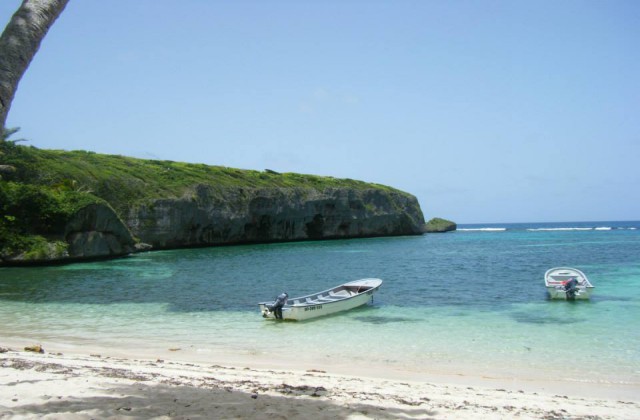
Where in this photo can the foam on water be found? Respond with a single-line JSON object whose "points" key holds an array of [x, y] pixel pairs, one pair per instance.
{"points": [[487, 229]]}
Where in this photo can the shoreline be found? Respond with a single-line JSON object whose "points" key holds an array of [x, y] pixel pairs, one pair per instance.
{"points": [[457, 375], [121, 383]]}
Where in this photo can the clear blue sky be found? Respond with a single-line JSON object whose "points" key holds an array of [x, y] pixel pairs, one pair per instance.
{"points": [[487, 111]]}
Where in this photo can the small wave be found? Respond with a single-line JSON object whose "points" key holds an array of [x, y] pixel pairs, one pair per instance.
{"points": [[566, 228], [482, 229], [558, 229]]}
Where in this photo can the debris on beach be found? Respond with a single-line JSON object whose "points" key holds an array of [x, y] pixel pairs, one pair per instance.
{"points": [[36, 348]]}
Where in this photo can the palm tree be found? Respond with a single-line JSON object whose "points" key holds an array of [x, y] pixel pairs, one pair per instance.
{"points": [[19, 43]]}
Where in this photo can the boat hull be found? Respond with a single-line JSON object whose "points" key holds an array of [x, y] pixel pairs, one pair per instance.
{"points": [[556, 278], [556, 293], [318, 305]]}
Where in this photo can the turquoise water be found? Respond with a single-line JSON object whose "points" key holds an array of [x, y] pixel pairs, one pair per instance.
{"points": [[471, 301]]}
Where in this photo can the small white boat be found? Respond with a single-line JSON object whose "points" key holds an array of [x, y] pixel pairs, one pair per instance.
{"points": [[567, 283], [340, 298]]}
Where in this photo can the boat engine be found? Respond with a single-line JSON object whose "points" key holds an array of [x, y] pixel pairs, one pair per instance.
{"points": [[571, 288], [276, 307]]}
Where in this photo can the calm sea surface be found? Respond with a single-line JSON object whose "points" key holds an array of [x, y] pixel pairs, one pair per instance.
{"points": [[465, 301]]}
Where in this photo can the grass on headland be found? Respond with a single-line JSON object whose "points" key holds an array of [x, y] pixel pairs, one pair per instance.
{"points": [[121, 180]]}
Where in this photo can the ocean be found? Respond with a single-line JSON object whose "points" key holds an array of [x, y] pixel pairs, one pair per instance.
{"points": [[470, 302]]}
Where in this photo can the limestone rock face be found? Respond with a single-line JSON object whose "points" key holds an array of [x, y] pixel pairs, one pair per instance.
{"points": [[96, 231], [210, 216]]}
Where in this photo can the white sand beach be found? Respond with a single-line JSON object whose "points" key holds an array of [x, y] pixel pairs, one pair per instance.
{"points": [[55, 385]]}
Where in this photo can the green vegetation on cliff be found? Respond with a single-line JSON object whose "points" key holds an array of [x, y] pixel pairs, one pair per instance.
{"points": [[122, 180], [32, 213], [47, 186]]}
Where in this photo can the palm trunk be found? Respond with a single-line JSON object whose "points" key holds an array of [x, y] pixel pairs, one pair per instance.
{"points": [[19, 43]]}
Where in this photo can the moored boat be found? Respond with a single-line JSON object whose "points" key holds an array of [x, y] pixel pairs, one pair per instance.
{"points": [[340, 298], [567, 283]]}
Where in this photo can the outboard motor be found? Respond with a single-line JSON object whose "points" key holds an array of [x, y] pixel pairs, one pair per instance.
{"points": [[276, 307], [571, 287]]}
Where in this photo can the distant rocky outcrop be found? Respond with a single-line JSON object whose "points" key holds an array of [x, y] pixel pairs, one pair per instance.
{"points": [[212, 216], [437, 225]]}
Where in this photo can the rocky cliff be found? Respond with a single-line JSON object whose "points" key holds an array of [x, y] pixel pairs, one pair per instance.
{"points": [[208, 215], [92, 232], [96, 231], [61, 206]]}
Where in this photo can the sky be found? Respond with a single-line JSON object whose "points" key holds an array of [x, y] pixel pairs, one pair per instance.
{"points": [[486, 111]]}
